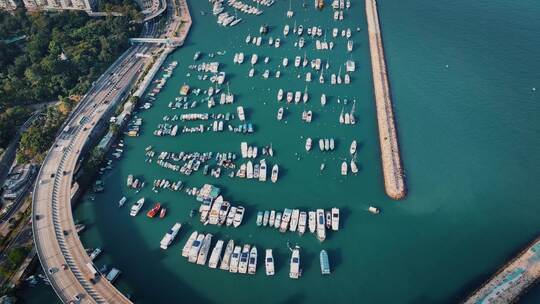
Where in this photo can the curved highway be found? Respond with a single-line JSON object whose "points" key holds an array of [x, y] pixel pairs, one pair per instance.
{"points": [[60, 251]]}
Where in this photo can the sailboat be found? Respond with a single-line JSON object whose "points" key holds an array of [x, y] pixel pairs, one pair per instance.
{"points": [[305, 97], [339, 76], [354, 168], [290, 13], [321, 77], [344, 168], [305, 61], [341, 117]]}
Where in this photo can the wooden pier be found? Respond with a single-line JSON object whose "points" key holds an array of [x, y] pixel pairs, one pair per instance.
{"points": [[394, 181]]}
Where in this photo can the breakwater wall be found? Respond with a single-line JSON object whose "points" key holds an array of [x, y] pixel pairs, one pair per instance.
{"points": [[394, 180]]}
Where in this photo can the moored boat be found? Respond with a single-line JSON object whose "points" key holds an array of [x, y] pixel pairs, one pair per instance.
{"points": [[170, 236], [252, 263], [335, 219], [203, 253], [295, 272], [244, 258], [325, 263], [275, 172], [195, 247], [216, 254], [312, 221], [235, 258], [137, 207], [238, 216], [269, 262], [321, 226], [227, 256], [189, 243]]}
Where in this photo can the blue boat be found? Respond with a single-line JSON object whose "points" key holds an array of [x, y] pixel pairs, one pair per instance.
{"points": [[259, 218], [325, 264]]}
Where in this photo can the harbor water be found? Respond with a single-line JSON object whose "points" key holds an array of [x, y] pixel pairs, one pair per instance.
{"points": [[461, 76]]}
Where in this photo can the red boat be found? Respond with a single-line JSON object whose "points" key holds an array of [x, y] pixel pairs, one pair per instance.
{"points": [[154, 210], [163, 212]]}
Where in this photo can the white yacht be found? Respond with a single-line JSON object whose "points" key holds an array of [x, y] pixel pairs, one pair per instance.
{"points": [[195, 247], [297, 61], [136, 207], [238, 216], [290, 96], [302, 221], [269, 262], [235, 258], [275, 172], [254, 59], [272, 218], [189, 243], [335, 219], [321, 226], [285, 62], [354, 167], [203, 253], [252, 263], [227, 256], [169, 236], [216, 254], [223, 211], [312, 221], [286, 30], [295, 271], [294, 220], [352, 150], [230, 216], [244, 258]]}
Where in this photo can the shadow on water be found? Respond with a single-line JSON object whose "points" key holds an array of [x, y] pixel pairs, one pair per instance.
{"points": [[344, 214], [335, 258], [294, 299]]}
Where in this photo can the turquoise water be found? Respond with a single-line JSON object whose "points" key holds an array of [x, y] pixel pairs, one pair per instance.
{"points": [[461, 76]]}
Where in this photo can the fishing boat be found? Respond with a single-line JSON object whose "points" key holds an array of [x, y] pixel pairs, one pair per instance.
{"points": [[294, 220], [335, 219], [195, 247], [169, 236], [312, 221], [290, 96], [374, 210], [280, 113], [295, 271], [238, 216], [325, 264], [308, 144], [280, 95], [272, 218], [269, 262], [230, 216], [259, 218], [285, 219], [216, 254], [244, 258], [354, 167], [265, 218], [262, 170], [240, 111], [227, 256], [136, 207], [205, 248], [189, 244], [321, 227], [352, 149], [302, 221], [235, 258], [344, 168], [254, 59], [275, 172], [249, 170], [252, 263]]}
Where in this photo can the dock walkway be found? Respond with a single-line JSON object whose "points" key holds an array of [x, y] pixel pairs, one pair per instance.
{"points": [[394, 181]]}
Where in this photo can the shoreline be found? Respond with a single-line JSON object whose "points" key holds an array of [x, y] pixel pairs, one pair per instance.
{"points": [[394, 182]]}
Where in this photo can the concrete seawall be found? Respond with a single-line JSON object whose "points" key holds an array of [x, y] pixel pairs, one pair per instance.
{"points": [[394, 182], [512, 280]]}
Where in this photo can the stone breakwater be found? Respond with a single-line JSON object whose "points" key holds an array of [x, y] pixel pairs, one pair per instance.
{"points": [[394, 181]]}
